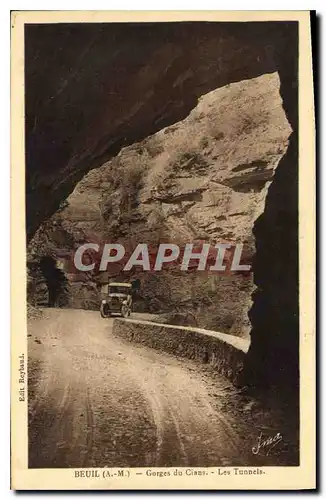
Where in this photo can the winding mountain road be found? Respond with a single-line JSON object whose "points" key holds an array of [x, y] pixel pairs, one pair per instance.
{"points": [[96, 400]]}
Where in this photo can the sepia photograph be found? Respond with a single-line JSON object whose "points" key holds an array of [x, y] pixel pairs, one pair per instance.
{"points": [[161, 263]]}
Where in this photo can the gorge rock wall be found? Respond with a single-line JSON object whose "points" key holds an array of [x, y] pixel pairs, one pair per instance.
{"points": [[203, 179]]}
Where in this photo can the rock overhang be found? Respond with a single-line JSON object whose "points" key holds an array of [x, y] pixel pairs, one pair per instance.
{"points": [[97, 90]]}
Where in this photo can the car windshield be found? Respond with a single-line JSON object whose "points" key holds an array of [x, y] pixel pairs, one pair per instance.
{"points": [[119, 289]]}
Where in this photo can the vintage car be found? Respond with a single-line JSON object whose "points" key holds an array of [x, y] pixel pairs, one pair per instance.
{"points": [[116, 298]]}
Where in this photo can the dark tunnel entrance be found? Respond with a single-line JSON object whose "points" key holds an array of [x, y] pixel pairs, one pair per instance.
{"points": [[56, 282]]}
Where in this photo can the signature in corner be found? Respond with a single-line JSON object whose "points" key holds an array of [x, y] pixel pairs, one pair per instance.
{"points": [[266, 444]]}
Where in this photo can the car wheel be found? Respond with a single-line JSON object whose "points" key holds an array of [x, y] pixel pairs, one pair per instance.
{"points": [[105, 311]]}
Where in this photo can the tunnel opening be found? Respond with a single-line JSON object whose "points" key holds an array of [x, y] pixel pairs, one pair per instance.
{"points": [[68, 136], [56, 282], [272, 360]]}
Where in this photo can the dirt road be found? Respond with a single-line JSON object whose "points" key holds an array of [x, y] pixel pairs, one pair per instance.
{"points": [[95, 401]]}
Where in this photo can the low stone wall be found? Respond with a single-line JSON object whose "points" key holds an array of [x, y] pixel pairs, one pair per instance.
{"points": [[225, 353]]}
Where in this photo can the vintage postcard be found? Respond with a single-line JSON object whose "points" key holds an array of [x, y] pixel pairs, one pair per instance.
{"points": [[163, 251]]}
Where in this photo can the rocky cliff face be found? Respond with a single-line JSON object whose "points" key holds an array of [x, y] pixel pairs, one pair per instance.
{"points": [[203, 179]]}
